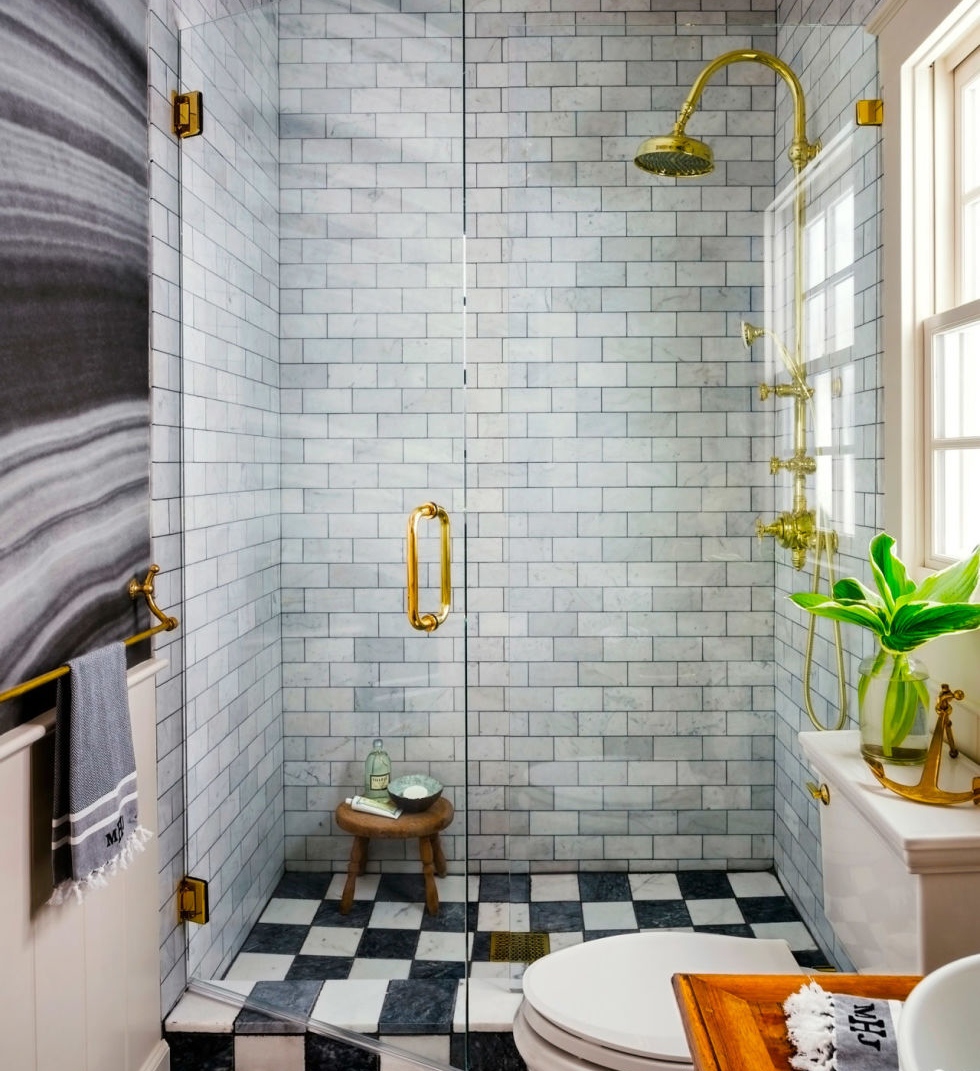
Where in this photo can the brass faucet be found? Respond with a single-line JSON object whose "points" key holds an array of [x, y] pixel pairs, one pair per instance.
{"points": [[927, 790], [796, 531]]}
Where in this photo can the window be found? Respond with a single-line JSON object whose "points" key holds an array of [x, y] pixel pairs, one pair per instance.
{"points": [[951, 338]]}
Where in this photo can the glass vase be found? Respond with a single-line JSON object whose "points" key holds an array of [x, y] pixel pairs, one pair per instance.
{"points": [[893, 705]]}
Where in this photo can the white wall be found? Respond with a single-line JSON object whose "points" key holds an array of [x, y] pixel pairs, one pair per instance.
{"points": [[82, 986]]}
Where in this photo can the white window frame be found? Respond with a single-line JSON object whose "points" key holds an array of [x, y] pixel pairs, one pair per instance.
{"points": [[919, 46]]}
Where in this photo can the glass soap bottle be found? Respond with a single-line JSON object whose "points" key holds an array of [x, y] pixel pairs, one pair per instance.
{"points": [[377, 772]]}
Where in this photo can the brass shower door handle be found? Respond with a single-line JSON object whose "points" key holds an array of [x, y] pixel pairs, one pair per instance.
{"points": [[427, 622]]}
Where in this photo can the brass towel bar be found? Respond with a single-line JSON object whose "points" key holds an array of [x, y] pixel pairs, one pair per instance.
{"points": [[167, 624]]}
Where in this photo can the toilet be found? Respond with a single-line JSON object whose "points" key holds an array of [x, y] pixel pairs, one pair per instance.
{"points": [[901, 885], [608, 1004]]}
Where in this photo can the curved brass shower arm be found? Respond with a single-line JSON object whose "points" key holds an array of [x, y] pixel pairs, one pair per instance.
{"points": [[801, 151]]}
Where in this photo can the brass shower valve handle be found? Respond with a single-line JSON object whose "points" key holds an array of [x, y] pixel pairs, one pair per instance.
{"points": [[785, 390], [799, 464], [797, 532]]}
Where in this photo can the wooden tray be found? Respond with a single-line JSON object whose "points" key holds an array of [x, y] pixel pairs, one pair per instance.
{"points": [[736, 1021]]}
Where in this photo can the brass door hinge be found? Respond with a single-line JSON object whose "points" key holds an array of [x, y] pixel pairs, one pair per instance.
{"points": [[192, 900], [188, 115], [869, 112]]}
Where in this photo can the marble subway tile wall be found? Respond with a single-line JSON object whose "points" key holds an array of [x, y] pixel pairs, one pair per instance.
{"points": [[620, 610], [216, 482], [836, 62]]}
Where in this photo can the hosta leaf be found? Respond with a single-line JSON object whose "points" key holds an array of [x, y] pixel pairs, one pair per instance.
{"points": [[916, 623], [889, 571], [955, 583], [851, 589], [852, 613]]}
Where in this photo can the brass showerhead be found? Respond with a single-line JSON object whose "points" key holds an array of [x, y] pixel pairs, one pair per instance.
{"points": [[675, 156], [751, 333]]}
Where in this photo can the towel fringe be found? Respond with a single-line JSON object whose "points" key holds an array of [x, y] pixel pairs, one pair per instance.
{"points": [[810, 1026], [74, 891]]}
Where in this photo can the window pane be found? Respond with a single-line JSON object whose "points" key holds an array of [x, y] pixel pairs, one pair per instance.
{"points": [[956, 519], [956, 382], [842, 252], [969, 244], [816, 251], [815, 318], [969, 147], [843, 325]]}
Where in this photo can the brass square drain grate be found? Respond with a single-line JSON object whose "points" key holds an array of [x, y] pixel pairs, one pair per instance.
{"points": [[506, 946]]}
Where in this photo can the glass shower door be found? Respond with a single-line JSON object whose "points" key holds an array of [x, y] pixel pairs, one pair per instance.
{"points": [[322, 403]]}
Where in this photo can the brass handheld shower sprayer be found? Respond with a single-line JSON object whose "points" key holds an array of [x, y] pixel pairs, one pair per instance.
{"points": [[676, 155]]}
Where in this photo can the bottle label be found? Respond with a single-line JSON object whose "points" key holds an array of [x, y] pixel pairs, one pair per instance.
{"points": [[378, 782]]}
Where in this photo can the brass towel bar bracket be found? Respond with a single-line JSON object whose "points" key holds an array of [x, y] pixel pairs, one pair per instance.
{"points": [[167, 623]]}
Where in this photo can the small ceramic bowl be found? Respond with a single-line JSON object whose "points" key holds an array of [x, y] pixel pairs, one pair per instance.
{"points": [[414, 792]]}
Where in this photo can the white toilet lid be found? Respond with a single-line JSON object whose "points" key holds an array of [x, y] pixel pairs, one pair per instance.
{"points": [[617, 991]]}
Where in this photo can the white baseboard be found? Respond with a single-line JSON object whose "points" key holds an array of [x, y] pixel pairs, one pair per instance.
{"points": [[159, 1058]]}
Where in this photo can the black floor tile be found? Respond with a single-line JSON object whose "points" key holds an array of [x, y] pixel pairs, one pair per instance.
{"points": [[595, 888], [401, 888], [437, 968], [388, 944], [201, 1052], [319, 967], [733, 929], [554, 916], [296, 885], [328, 914], [418, 1006], [705, 885], [294, 998], [271, 937], [661, 914], [505, 888], [768, 909], [326, 1054]]}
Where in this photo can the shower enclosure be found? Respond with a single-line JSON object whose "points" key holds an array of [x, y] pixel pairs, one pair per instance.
{"points": [[419, 265]]}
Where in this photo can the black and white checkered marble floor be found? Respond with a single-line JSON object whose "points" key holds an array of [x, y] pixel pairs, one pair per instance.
{"points": [[389, 968]]}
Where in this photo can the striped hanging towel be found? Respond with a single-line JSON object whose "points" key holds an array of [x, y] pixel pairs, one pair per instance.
{"points": [[95, 829]]}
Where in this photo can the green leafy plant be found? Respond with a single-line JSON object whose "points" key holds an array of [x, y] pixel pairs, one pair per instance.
{"points": [[903, 616]]}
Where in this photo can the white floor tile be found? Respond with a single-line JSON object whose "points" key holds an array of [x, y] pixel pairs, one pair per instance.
{"points": [[352, 1004], [259, 967], [546, 887], [755, 884], [443, 946], [396, 916], [714, 912], [655, 887], [492, 1003], [795, 934], [614, 915], [365, 887], [286, 912], [198, 1012], [495, 916], [380, 968], [332, 941], [258, 1052]]}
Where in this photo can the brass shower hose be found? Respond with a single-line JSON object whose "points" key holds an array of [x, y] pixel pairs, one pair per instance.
{"points": [[826, 544]]}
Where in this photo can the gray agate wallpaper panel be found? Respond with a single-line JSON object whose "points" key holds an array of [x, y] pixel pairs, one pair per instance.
{"points": [[74, 393]]}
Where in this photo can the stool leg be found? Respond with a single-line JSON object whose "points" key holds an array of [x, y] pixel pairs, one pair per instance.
{"points": [[431, 892], [358, 857], [437, 856]]}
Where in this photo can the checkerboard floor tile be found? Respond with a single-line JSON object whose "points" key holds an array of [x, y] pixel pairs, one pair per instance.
{"points": [[405, 966]]}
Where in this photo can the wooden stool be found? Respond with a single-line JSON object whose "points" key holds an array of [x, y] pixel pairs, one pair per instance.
{"points": [[425, 825]]}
